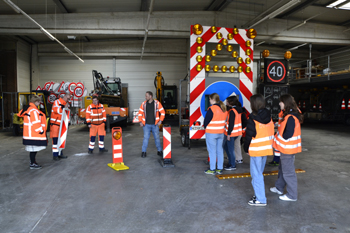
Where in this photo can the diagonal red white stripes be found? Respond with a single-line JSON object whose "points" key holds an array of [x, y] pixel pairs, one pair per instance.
{"points": [[197, 79], [166, 142]]}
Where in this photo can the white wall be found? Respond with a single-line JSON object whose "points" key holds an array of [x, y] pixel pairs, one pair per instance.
{"points": [[23, 67], [138, 74]]}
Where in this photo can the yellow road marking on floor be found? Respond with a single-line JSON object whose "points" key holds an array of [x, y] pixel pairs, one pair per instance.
{"points": [[243, 175]]}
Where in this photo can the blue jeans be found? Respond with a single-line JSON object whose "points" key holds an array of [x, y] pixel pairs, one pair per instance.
{"points": [[215, 150], [257, 165], [147, 133], [229, 147]]}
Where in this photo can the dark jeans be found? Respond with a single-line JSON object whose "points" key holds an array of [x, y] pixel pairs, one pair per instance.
{"points": [[229, 147]]}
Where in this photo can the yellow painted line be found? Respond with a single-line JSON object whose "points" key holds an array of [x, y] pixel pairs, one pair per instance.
{"points": [[243, 175]]}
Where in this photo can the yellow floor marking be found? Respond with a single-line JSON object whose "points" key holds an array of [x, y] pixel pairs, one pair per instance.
{"points": [[243, 175]]}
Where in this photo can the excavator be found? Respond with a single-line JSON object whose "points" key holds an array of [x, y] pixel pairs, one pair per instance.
{"points": [[166, 95], [114, 97]]}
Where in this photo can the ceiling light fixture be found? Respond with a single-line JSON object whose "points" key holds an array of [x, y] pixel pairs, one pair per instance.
{"points": [[42, 29]]}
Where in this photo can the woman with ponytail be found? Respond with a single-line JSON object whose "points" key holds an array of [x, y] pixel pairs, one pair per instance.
{"points": [[214, 124]]}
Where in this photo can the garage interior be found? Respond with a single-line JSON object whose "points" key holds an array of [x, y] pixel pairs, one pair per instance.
{"points": [[133, 40]]}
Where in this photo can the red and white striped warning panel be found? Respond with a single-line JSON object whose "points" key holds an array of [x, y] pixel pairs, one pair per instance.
{"points": [[228, 37], [166, 142], [62, 136]]}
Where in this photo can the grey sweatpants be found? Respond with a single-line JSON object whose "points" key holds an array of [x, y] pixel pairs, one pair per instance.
{"points": [[287, 176], [238, 149]]}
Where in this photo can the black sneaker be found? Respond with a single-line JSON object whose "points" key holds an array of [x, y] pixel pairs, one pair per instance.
{"points": [[62, 157], [103, 150], [90, 151], [35, 166], [143, 154], [160, 153], [229, 168], [56, 158]]}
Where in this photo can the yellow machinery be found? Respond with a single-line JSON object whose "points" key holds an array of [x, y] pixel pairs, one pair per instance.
{"points": [[23, 99], [114, 97], [166, 95]]}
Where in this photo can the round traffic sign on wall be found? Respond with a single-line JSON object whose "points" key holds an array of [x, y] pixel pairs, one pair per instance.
{"points": [[276, 71], [52, 98], [78, 91], [71, 87]]}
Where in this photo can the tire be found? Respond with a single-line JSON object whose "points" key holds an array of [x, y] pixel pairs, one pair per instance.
{"points": [[184, 138]]}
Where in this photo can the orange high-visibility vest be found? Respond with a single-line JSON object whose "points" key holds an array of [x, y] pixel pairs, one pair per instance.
{"points": [[56, 111], [237, 128], [159, 112], [217, 124], [95, 114], [34, 126], [261, 144], [293, 144]]}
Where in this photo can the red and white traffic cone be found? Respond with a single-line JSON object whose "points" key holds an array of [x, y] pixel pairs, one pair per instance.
{"points": [[304, 106], [343, 105], [299, 104], [320, 106], [117, 152], [349, 104], [166, 161], [314, 107]]}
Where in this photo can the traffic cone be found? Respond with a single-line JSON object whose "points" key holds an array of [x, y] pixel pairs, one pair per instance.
{"points": [[299, 105], [320, 106], [117, 143], [304, 106], [314, 107], [349, 104], [343, 105], [166, 161]]}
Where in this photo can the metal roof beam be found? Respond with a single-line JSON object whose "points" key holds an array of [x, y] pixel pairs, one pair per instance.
{"points": [[60, 6], [297, 8]]}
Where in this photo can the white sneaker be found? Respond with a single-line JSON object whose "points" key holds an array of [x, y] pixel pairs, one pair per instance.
{"points": [[239, 161], [255, 202], [285, 198], [275, 190]]}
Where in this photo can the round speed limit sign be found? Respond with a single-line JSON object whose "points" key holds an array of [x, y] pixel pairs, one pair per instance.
{"points": [[52, 98], [78, 91], [71, 87], [276, 71]]}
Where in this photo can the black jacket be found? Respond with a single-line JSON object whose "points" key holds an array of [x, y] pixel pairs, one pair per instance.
{"points": [[263, 117], [290, 126]]}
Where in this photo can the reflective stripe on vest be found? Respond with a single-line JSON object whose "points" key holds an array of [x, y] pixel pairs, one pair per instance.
{"points": [[217, 123], [293, 144], [237, 128], [261, 144]]}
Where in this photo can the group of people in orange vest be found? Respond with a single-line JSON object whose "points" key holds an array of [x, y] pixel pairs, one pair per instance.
{"points": [[223, 126], [34, 126]]}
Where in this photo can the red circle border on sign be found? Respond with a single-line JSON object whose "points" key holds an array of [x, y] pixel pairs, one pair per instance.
{"points": [[72, 92], [82, 91], [284, 69]]}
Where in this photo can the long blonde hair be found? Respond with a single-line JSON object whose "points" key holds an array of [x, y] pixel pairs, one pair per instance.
{"points": [[217, 100]]}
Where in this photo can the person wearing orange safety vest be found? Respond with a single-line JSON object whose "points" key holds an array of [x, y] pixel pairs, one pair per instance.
{"points": [[151, 116], [233, 129], [55, 122], [34, 130], [237, 146], [258, 144], [96, 119], [214, 124], [287, 140], [276, 158]]}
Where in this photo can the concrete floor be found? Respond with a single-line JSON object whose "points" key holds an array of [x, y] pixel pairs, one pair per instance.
{"points": [[82, 194]]}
